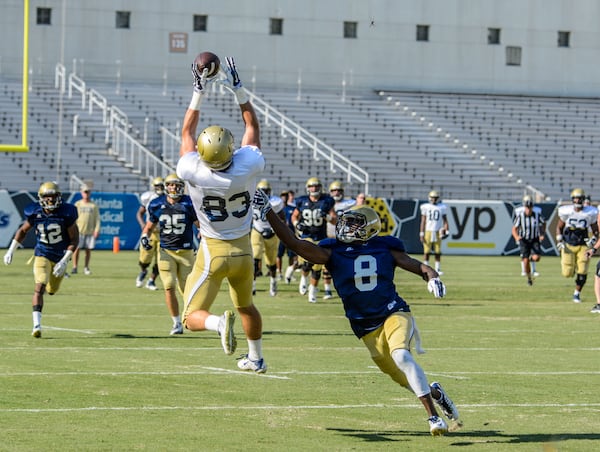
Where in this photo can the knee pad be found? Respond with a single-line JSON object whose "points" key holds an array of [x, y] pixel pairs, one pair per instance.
{"points": [[315, 274], [580, 280], [306, 266]]}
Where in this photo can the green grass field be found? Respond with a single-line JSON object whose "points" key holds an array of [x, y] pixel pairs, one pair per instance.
{"points": [[521, 363]]}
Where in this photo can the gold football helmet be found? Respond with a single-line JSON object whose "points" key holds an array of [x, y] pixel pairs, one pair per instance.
{"points": [[527, 201], [357, 224], [265, 186], [49, 195], [174, 186], [336, 186], [158, 184], [433, 196], [314, 186], [579, 194], [215, 147]]}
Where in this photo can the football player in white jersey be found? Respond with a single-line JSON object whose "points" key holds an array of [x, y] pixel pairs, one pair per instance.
{"points": [[336, 191], [434, 227], [264, 241], [149, 255], [572, 239], [221, 182], [590, 253]]}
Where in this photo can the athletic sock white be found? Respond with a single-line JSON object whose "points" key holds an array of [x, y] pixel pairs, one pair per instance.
{"points": [[254, 349], [212, 323]]}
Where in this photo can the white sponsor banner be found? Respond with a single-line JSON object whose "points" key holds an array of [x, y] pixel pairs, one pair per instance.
{"points": [[477, 227]]}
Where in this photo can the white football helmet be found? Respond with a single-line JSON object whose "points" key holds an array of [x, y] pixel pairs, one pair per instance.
{"points": [[215, 147], [337, 187], [49, 196], [527, 201], [174, 186], [357, 224]]}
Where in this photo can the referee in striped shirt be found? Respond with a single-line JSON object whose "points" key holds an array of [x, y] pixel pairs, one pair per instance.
{"points": [[528, 230]]}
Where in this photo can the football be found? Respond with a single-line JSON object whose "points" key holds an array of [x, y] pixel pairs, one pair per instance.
{"points": [[208, 60]]}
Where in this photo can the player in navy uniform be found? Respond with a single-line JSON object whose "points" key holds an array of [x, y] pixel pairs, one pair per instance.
{"points": [[57, 238], [310, 218], [362, 265], [174, 214], [289, 202]]}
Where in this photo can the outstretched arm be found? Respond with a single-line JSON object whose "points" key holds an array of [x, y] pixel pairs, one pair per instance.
{"points": [[192, 115], [304, 248]]}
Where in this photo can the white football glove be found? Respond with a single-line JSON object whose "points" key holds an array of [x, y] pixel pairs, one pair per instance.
{"points": [[9, 253], [262, 203], [590, 242], [200, 79], [61, 266], [233, 81], [436, 287], [560, 246]]}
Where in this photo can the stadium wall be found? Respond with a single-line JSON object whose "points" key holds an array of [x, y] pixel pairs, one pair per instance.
{"points": [[312, 51], [476, 227]]}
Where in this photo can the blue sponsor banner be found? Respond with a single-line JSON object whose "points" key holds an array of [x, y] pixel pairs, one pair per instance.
{"points": [[117, 219]]}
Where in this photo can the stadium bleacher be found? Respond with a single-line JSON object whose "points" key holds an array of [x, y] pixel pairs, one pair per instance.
{"points": [[467, 146]]}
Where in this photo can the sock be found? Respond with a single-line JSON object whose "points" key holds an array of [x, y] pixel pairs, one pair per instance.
{"points": [[212, 323], [414, 374], [37, 318], [522, 267], [176, 320], [289, 272], [532, 264], [576, 292], [327, 287], [437, 266], [254, 349]]}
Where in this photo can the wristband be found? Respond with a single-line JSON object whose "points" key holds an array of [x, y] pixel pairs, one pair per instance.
{"points": [[559, 238], [421, 234], [241, 96], [67, 256], [13, 246], [196, 101]]}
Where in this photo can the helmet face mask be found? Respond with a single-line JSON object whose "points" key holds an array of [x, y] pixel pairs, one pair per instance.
{"points": [[215, 147], [357, 224], [174, 186], [314, 186], [336, 190], [49, 196]]}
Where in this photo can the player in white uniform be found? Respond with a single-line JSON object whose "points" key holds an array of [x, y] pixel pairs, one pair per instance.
{"points": [[149, 255], [264, 241], [434, 227], [336, 191], [221, 183], [573, 239]]}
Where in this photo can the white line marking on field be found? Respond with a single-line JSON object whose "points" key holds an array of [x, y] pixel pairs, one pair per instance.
{"points": [[68, 329], [295, 407], [243, 372]]}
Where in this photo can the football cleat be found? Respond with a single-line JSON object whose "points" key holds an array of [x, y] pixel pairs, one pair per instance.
{"points": [[150, 285], [536, 274], [177, 329], [37, 331], [139, 281], [529, 282], [596, 309], [87, 271], [576, 298], [228, 339], [437, 426], [74, 271], [444, 402], [246, 363], [328, 295], [289, 273], [273, 288]]}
